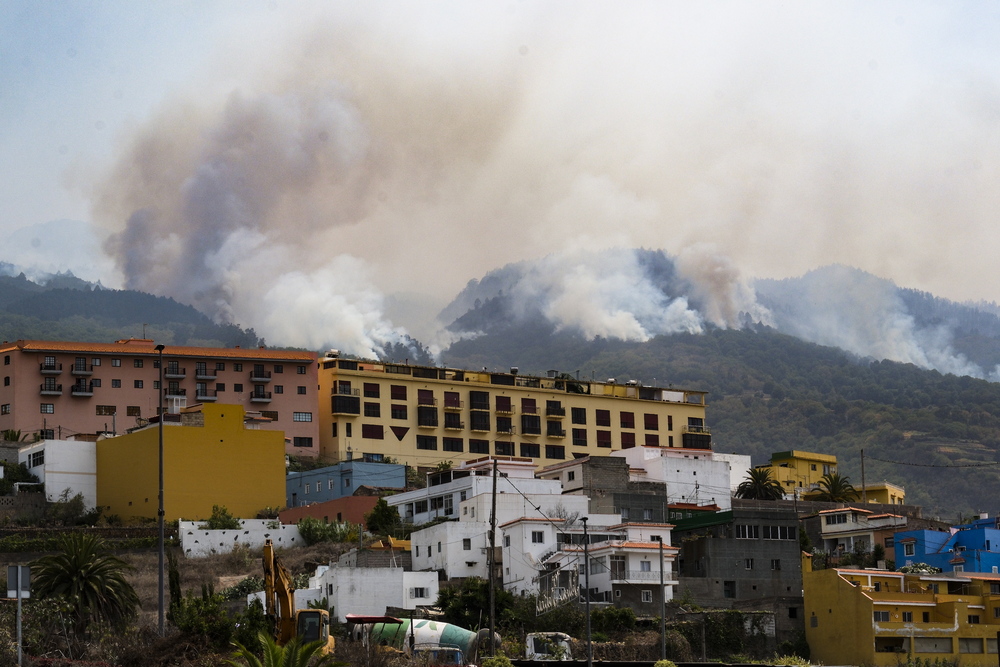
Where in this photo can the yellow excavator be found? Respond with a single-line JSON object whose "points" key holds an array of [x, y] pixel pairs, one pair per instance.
{"points": [[279, 604]]}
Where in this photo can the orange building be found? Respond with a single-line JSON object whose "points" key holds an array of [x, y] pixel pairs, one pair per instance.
{"points": [[59, 389]]}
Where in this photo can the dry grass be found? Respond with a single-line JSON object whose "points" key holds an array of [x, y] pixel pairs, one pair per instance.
{"points": [[219, 571]]}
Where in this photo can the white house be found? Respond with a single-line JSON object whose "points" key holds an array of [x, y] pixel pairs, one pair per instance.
{"points": [[370, 590], [460, 548], [65, 466], [691, 475]]}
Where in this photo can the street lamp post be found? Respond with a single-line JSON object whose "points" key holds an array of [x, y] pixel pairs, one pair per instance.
{"points": [[663, 605], [159, 349], [586, 593]]}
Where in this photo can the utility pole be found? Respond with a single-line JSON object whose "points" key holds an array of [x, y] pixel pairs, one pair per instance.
{"points": [[586, 584], [663, 606], [864, 488], [159, 513], [491, 561]]}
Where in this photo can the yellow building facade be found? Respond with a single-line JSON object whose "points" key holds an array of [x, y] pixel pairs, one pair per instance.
{"points": [[800, 470], [422, 416], [211, 456], [876, 617]]}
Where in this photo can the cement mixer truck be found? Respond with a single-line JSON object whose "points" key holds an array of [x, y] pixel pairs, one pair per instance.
{"points": [[431, 642]]}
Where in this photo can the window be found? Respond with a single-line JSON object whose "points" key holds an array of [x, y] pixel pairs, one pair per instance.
{"points": [[670, 423], [775, 563], [279, 389], [745, 532], [996, 612], [652, 440], [278, 368], [133, 411], [604, 438], [417, 592], [570, 476], [220, 386], [420, 507], [537, 537], [628, 420], [647, 596], [5, 409], [116, 384], [372, 431], [6, 381], [647, 514], [302, 442], [347, 482], [479, 446], [137, 363], [645, 566], [237, 367], [907, 617], [580, 437], [504, 448], [466, 544], [973, 619], [302, 416], [371, 409], [269, 414], [926, 616], [300, 370], [651, 422], [220, 365], [116, 362], [397, 392], [427, 442], [602, 417], [579, 415], [504, 425], [793, 612], [398, 411], [555, 452], [628, 440], [506, 541], [48, 408], [106, 410], [237, 387], [530, 450], [748, 563], [300, 390], [36, 459], [881, 616], [531, 424], [371, 390], [908, 549], [452, 444], [137, 384]]}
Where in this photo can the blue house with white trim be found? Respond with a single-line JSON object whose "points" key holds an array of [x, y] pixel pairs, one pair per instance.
{"points": [[970, 547], [343, 479]]}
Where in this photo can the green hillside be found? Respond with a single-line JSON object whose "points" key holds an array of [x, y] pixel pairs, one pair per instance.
{"points": [[770, 392]]}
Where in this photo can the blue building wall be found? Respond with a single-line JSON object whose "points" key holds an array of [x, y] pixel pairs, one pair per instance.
{"points": [[337, 481], [976, 543]]}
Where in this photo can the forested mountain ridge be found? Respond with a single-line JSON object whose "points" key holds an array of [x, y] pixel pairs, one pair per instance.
{"points": [[769, 392]]}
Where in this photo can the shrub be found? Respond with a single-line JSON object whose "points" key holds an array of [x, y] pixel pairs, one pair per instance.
{"points": [[221, 519]]}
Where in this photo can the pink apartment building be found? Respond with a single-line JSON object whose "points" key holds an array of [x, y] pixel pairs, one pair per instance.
{"points": [[59, 390]]}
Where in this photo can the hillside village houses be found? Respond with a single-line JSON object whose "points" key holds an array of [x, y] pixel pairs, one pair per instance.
{"points": [[633, 466]]}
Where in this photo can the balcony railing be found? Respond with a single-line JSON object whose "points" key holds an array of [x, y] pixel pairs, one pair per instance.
{"points": [[453, 406], [454, 426], [347, 391], [260, 397], [645, 576], [556, 433], [505, 410], [429, 402], [50, 369], [51, 390], [174, 373], [82, 389], [696, 429], [205, 395], [82, 369], [555, 412], [205, 374], [260, 376], [510, 430], [168, 392]]}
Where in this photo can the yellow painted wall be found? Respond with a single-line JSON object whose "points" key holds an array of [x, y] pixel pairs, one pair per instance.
{"points": [[220, 463], [842, 632], [885, 493], [794, 469]]}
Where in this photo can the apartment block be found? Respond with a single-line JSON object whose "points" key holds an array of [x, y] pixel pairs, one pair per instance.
{"points": [[970, 547], [61, 389], [423, 416], [881, 618]]}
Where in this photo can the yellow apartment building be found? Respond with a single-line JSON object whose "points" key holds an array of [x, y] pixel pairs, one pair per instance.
{"points": [[876, 617], [211, 456], [800, 470], [421, 415]]}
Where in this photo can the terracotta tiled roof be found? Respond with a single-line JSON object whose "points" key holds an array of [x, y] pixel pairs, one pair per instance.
{"points": [[846, 509], [146, 347]]}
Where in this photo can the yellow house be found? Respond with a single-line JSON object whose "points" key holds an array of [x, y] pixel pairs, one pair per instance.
{"points": [[212, 455], [876, 617], [886, 493], [800, 470]]}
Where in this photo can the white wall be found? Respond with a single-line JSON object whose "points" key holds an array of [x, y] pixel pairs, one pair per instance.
{"points": [[369, 590], [69, 464], [196, 542], [691, 476], [738, 466], [453, 558]]}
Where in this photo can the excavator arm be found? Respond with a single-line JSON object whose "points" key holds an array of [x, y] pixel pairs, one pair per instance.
{"points": [[279, 596]]}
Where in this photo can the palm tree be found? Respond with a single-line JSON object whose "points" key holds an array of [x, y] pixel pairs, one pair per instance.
{"points": [[91, 580], [292, 654], [759, 486], [835, 488]]}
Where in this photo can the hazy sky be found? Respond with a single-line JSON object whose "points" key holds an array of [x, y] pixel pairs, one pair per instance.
{"points": [[385, 147]]}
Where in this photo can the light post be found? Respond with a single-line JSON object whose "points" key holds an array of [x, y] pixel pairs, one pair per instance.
{"points": [[159, 349], [663, 605], [586, 585]]}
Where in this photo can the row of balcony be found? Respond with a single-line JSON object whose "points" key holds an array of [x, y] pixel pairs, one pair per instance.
{"points": [[170, 372], [85, 389]]}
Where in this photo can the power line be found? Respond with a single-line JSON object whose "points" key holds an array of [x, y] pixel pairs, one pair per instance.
{"points": [[984, 464]]}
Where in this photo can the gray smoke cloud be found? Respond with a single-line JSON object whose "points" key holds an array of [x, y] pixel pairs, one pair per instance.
{"points": [[330, 158]]}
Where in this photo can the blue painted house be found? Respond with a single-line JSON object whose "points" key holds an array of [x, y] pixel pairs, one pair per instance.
{"points": [[336, 481], [970, 547]]}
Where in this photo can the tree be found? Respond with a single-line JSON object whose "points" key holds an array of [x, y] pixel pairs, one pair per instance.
{"points": [[222, 519], [834, 488], [292, 654], [383, 519], [759, 485], [91, 580]]}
